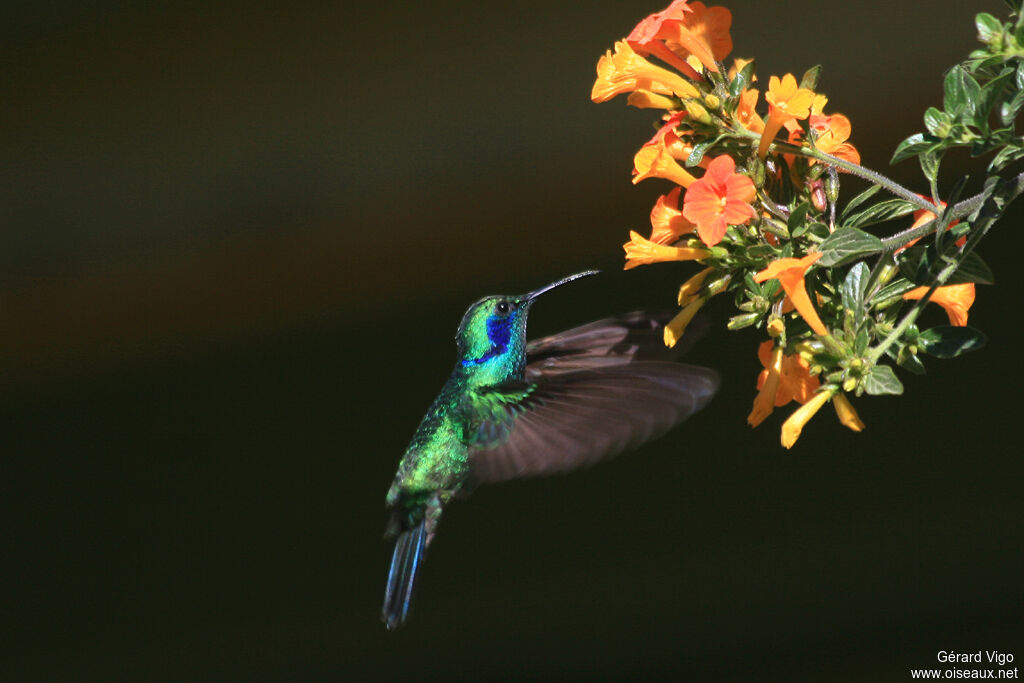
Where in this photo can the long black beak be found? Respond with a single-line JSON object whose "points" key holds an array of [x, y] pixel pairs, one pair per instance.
{"points": [[525, 298]]}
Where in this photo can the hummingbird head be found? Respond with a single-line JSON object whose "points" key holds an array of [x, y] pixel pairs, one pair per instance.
{"points": [[493, 330]]}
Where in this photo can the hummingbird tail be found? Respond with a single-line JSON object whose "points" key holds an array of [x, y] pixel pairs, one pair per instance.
{"points": [[405, 562]]}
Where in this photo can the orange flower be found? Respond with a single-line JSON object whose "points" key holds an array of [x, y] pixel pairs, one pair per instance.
{"points": [[832, 135], [689, 289], [719, 199], [848, 417], [655, 161], [794, 424], [648, 37], [667, 220], [677, 326], [956, 299], [922, 216], [626, 71], [645, 99], [784, 379], [787, 102], [746, 113], [790, 273], [640, 251], [681, 30]]}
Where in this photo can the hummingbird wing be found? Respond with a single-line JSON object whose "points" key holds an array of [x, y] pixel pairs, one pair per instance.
{"points": [[589, 394], [604, 343]]}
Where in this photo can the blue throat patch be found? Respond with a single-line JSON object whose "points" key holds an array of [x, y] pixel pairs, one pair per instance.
{"points": [[499, 332]]}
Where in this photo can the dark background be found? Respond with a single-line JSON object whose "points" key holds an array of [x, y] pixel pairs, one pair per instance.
{"points": [[236, 242]]}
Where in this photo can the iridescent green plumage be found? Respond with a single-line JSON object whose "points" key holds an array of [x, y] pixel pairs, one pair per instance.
{"points": [[514, 409]]}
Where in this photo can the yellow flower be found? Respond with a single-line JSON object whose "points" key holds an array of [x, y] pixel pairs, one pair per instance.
{"points": [[690, 288], [845, 412], [746, 113], [655, 161], [626, 71], [790, 273], [788, 102], [956, 299], [640, 251], [677, 326], [764, 402], [794, 424], [645, 99]]}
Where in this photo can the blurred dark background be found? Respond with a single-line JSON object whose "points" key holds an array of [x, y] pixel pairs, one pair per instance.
{"points": [[236, 241]]}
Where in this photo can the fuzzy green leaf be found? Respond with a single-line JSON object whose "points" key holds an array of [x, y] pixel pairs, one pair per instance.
{"points": [[858, 200], [854, 287], [882, 380], [879, 213], [972, 269], [946, 341], [912, 146], [847, 244]]}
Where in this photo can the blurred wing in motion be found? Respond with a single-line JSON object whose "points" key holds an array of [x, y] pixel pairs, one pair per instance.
{"points": [[590, 393]]}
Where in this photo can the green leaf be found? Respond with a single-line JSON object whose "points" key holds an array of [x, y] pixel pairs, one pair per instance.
{"points": [[847, 244], [972, 269], [989, 28], [810, 78], [742, 80], [912, 146], [954, 91], [854, 287], [697, 154], [892, 291], [879, 213], [858, 200], [1008, 110], [1005, 157], [946, 341], [798, 218], [911, 362], [882, 380], [930, 167], [937, 122]]}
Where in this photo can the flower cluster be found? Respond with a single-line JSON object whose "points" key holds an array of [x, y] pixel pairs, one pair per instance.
{"points": [[752, 198]]}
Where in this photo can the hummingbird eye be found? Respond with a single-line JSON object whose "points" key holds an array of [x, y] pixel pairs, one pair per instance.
{"points": [[503, 307]]}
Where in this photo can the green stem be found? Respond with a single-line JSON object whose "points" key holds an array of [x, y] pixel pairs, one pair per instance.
{"points": [[862, 172], [1014, 187]]}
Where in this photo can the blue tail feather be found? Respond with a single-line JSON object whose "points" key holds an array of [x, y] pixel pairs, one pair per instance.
{"points": [[405, 562]]}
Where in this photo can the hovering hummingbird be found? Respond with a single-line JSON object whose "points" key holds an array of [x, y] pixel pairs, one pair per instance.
{"points": [[512, 408]]}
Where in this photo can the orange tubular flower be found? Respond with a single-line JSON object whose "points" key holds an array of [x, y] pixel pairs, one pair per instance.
{"points": [[626, 71], [681, 30], [848, 417], [655, 161], [647, 37], [667, 220], [677, 326], [746, 113], [790, 273], [784, 379], [704, 33], [788, 102], [833, 132], [956, 299], [922, 216], [689, 289], [640, 251], [794, 424], [719, 199]]}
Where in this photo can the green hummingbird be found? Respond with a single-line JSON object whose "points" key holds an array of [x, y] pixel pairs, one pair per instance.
{"points": [[512, 408]]}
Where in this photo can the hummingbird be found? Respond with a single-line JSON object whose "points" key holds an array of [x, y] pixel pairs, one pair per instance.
{"points": [[513, 408]]}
